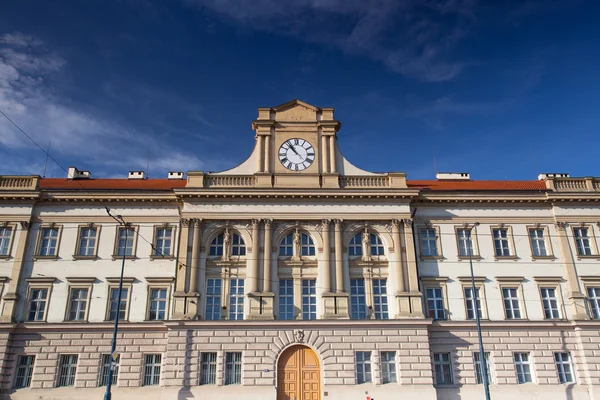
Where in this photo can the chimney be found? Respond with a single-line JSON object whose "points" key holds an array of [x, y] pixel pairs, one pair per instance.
{"points": [[453, 176], [551, 175], [74, 173], [175, 175], [137, 175]]}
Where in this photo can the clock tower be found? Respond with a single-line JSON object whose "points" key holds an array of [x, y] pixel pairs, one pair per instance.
{"points": [[296, 146]]}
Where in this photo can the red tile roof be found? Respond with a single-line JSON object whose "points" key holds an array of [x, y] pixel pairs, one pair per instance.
{"points": [[111, 184], [170, 184], [489, 186]]}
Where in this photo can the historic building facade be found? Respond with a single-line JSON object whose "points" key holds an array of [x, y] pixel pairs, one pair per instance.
{"points": [[297, 275]]}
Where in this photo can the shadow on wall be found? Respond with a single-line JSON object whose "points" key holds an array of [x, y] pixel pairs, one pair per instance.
{"points": [[185, 392], [446, 342]]}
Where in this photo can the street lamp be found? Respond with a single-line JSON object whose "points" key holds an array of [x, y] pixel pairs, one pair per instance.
{"points": [[113, 346], [482, 362]]}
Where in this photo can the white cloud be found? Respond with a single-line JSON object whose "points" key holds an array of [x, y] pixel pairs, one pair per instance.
{"points": [[28, 96], [412, 37]]}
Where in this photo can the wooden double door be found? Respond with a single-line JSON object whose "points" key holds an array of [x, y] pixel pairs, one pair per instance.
{"points": [[298, 374]]}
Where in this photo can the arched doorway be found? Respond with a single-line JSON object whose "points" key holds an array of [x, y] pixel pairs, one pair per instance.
{"points": [[298, 374]]}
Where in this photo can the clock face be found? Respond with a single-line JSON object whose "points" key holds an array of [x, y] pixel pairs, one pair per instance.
{"points": [[296, 154]]}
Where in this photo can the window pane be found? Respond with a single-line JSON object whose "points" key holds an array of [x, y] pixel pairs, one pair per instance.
{"points": [[233, 368], [388, 366], [358, 305], [435, 303], [213, 299], [67, 369], [236, 299], [208, 368], [152, 365], [106, 366], [5, 235], [309, 299], [380, 299], [114, 298], [24, 371], [162, 247], [286, 299], [363, 367], [125, 241]]}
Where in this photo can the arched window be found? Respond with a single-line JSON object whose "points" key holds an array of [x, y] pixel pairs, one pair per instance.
{"points": [[355, 246], [308, 247], [238, 247], [286, 247], [376, 246]]}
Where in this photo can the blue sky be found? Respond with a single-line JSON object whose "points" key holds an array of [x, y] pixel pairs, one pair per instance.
{"points": [[503, 90]]}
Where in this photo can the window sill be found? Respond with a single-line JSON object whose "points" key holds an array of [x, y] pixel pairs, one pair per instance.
{"points": [[592, 257], [476, 257], [431, 258], [45, 258], [551, 257], [499, 258], [159, 257], [76, 321], [5, 258], [76, 257], [117, 257]]}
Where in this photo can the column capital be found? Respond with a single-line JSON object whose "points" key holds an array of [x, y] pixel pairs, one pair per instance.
{"points": [[396, 223], [325, 222], [338, 222], [255, 223], [407, 222]]}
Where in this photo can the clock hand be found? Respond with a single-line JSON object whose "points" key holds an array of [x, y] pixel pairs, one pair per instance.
{"points": [[294, 150]]}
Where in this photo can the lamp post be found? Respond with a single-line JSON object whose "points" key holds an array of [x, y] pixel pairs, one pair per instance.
{"points": [[113, 346], [482, 361]]}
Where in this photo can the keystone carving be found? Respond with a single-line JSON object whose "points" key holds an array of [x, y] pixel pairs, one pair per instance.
{"points": [[299, 335]]}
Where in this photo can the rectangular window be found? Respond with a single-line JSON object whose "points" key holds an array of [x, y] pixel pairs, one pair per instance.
{"points": [[233, 368], [238, 247], [309, 299], [37, 304], [286, 299], [213, 299], [523, 367], [501, 242], [465, 242], [478, 367], [152, 364], [538, 242], [78, 304], [550, 303], [469, 303], [511, 303], [125, 241], [594, 299], [358, 301], [87, 242], [388, 366], [24, 371], [363, 367], [208, 368], [48, 242], [435, 303], [162, 247], [236, 299], [158, 304], [380, 299], [106, 366], [114, 298], [564, 368], [429, 242], [5, 237], [582, 241], [67, 368], [442, 366]]}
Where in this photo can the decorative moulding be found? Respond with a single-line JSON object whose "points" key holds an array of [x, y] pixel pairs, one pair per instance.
{"points": [[160, 279], [510, 279], [548, 279], [116, 279], [467, 279], [81, 279]]}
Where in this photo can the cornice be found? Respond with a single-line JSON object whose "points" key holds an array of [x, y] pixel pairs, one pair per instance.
{"points": [[506, 325]]}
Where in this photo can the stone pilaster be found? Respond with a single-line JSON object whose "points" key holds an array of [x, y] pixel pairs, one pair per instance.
{"points": [[577, 299], [409, 302], [12, 296]]}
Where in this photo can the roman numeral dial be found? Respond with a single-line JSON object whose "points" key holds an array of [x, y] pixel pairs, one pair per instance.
{"points": [[296, 154]]}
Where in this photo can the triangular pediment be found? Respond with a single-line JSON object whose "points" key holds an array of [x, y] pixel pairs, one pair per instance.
{"points": [[292, 104], [295, 111]]}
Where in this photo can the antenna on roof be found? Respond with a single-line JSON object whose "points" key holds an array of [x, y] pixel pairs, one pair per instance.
{"points": [[46, 163]]}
